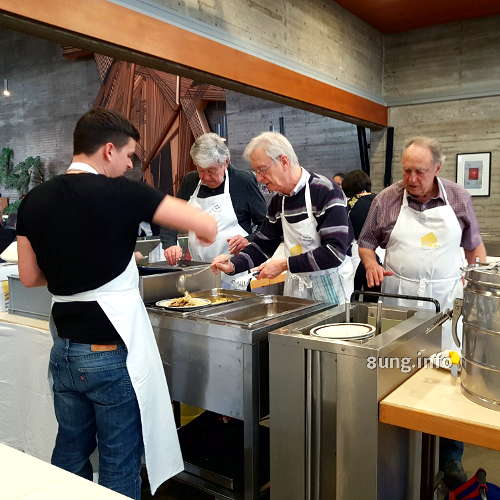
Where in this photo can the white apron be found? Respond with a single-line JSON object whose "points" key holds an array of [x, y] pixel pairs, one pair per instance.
{"points": [[300, 237], [122, 303], [157, 254], [221, 208], [424, 253], [347, 270]]}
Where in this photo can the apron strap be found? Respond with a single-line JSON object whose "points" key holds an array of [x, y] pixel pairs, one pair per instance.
{"points": [[441, 190], [307, 198], [424, 280], [195, 193]]}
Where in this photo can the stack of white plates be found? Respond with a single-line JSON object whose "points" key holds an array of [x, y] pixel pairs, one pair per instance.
{"points": [[344, 331]]}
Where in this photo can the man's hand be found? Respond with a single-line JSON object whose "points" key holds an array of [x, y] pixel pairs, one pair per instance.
{"points": [[173, 254], [375, 274], [138, 256], [237, 244], [271, 268], [222, 263]]}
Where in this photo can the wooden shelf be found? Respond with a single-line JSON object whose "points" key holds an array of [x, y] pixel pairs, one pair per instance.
{"points": [[431, 401], [16, 319]]}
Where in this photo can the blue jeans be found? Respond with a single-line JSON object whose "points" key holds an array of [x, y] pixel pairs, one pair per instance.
{"points": [[450, 451], [95, 405]]}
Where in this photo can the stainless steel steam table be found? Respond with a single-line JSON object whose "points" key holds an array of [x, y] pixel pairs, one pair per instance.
{"points": [[217, 359]]}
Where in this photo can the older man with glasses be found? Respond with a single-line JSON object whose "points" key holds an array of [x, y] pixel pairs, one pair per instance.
{"points": [[308, 213], [231, 196]]}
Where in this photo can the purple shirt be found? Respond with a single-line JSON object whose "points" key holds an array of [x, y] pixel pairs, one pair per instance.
{"points": [[386, 206]]}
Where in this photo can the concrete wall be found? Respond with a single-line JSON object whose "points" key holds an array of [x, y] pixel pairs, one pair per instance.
{"points": [[49, 93], [450, 61], [314, 37], [462, 126], [322, 144], [440, 69]]}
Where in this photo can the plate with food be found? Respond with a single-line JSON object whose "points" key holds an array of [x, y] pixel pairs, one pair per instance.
{"points": [[184, 302]]}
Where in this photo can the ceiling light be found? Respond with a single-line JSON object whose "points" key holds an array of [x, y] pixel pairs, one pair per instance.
{"points": [[6, 91]]}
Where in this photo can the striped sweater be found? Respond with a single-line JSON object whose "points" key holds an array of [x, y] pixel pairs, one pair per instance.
{"points": [[330, 211]]}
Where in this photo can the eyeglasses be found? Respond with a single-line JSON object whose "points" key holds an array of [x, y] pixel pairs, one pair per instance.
{"points": [[262, 170]]}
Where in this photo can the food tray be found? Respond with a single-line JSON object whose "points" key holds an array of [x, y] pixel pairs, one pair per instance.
{"points": [[258, 310]]}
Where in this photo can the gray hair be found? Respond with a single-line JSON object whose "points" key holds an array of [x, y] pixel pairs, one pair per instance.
{"points": [[274, 145], [209, 149], [433, 145]]}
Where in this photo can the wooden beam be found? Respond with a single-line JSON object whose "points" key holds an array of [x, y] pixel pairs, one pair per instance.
{"points": [[161, 142], [130, 89], [75, 53], [107, 22]]}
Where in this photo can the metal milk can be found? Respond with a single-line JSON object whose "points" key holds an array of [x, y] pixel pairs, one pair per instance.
{"points": [[480, 308]]}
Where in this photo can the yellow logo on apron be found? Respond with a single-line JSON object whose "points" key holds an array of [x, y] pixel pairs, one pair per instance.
{"points": [[295, 250], [429, 240]]}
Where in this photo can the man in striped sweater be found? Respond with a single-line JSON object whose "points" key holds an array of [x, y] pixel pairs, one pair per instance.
{"points": [[308, 214]]}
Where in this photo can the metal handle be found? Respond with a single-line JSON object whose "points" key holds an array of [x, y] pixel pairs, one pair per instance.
{"points": [[457, 312], [443, 318], [199, 271], [396, 296], [181, 280], [347, 312], [309, 411], [378, 317], [313, 425], [317, 423]]}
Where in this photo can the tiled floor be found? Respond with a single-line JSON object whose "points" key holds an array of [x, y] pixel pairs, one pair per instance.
{"points": [[474, 457]]}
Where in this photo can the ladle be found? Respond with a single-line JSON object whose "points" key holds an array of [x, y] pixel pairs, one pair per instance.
{"points": [[181, 282]]}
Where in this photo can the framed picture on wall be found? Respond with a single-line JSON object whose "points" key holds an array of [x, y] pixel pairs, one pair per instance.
{"points": [[474, 172]]}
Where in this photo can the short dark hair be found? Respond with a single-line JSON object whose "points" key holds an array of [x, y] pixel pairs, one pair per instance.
{"points": [[356, 182], [340, 174], [100, 126]]}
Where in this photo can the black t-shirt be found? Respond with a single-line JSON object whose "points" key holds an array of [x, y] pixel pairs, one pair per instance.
{"points": [[359, 212], [83, 228]]}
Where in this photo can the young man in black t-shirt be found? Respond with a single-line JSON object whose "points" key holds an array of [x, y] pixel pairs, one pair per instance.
{"points": [[76, 233]]}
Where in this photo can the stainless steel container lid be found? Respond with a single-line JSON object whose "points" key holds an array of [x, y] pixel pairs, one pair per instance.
{"points": [[488, 275]]}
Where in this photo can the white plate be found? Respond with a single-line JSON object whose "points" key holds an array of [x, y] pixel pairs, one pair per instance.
{"points": [[343, 331], [199, 303]]}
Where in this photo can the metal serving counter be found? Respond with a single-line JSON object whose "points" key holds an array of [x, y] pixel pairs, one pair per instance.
{"points": [[326, 439], [216, 358]]}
